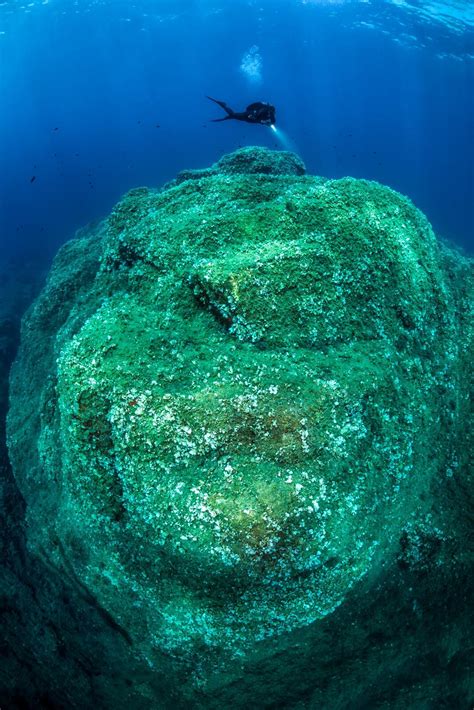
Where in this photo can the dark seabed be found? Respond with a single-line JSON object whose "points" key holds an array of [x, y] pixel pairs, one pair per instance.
{"points": [[236, 420]]}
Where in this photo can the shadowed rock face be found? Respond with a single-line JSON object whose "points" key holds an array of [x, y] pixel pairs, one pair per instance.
{"points": [[234, 405]]}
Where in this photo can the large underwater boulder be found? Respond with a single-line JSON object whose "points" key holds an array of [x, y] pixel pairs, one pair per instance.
{"points": [[240, 419]]}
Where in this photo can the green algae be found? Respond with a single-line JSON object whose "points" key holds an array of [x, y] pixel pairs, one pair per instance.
{"points": [[232, 403]]}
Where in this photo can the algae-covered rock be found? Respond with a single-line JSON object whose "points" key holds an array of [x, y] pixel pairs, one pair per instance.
{"points": [[248, 161], [232, 407]]}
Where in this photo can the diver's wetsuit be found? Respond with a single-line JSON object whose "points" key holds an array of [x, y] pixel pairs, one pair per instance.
{"points": [[259, 112]]}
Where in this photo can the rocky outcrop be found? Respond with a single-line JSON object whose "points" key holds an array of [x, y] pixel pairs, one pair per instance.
{"points": [[239, 418]]}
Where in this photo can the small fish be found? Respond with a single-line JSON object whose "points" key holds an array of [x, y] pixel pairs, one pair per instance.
{"points": [[33, 178]]}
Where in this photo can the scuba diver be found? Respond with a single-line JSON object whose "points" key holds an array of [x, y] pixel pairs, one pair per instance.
{"points": [[259, 112]]}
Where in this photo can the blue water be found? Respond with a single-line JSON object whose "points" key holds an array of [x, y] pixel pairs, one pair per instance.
{"points": [[98, 97]]}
